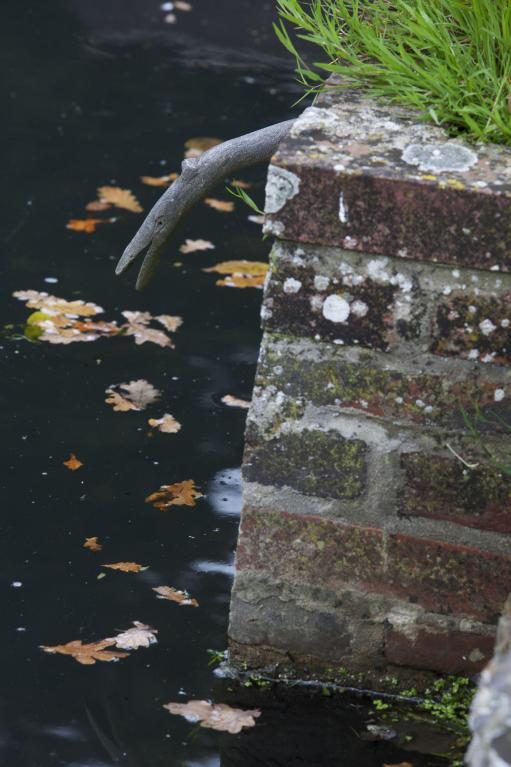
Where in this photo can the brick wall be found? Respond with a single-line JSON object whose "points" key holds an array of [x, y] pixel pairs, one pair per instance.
{"points": [[376, 525]]}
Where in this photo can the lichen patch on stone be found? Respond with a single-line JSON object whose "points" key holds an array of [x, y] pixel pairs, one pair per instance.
{"points": [[281, 186], [336, 309], [440, 157]]}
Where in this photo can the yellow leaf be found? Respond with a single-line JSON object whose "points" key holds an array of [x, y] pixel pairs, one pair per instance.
{"points": [[126, 567], [178, 494], [221, 205], [87, 654], [166, 424], [96, 206], [239, 267], [121, 198], [159, 180], [54, 305], [73, 463], [92, 544], [190, 246], [241, 281], [183, 598]]}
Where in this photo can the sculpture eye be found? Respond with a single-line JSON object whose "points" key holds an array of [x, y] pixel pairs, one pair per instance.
{"points": [[159, 223]]}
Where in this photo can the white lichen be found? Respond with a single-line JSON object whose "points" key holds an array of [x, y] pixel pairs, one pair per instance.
{"points": [[336, 309], [281, 186], [487, 327], [291, 285]]}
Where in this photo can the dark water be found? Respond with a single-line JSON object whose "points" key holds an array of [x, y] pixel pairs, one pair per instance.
{"points": [[99, 93]]}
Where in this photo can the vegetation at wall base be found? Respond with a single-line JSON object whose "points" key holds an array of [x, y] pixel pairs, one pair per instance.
{"points": [[449, 59]]}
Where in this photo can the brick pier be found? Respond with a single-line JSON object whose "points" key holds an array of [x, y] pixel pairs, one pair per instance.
{"points": [[375, 533]]}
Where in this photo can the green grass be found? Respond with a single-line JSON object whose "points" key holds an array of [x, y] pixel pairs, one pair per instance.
{"points": [[450, 59]]}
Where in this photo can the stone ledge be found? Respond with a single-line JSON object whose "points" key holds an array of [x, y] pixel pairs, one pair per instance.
{"points": [[370, 176]]}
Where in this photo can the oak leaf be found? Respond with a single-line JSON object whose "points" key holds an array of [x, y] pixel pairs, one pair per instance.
{"points": [[92, 544], [126, 567], [132, 639], [191, 246], [221, 205], [72, 462], [159, 180], [121, 198], [169, 321], [241, 281], [215, 716], [96, 206], [167, 424], [178, 494], [136, 395], [87, 225], [235, 402], [87, 654], [137, 326], [52, 304], [255, 268], [183, 598]]}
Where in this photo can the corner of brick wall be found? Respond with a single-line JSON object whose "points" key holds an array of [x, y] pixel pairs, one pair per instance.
{"points": [[377, 516]]}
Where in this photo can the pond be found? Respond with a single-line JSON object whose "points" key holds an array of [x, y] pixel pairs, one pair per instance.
{"points": [[101, 92]]}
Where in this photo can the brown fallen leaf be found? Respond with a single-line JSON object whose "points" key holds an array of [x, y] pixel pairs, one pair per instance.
{"points": [[240, 281], [87, 654], [136, 395], [167, 424], [132, 639], [121, 198], [200, 144], [159, 180], [92, 544], [190, 246], [53, 305], [235, 402], [87, 225], [72, 462], [170, 322], [183, 598], [126, 567], [222, 205], [241, 184], [96, 206], [215, 716], [137, 326], [178, 494], [256, 268]]}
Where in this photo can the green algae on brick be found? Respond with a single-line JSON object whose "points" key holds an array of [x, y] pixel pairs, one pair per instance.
{"points": [[317, 463]]}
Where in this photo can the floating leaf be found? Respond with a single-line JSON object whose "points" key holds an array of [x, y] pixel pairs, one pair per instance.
{"points": [[73, 463], [170, 18], [240, 281], [235, 402], [182, 5], [132, 639], [87, 225], [178, 494], [92, 544], [257, 268], [96, 206], [183, 598], [121, 198], [222, 205], [137, 326], [166, 424], [136, 395], [215, 716], [159, 180], [200, 144], [87, 654], [54, 305], [190, 246], [169, 321], [126, 567], [241, 184]]}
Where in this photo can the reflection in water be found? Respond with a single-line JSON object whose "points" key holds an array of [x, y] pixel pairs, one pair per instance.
{"points": [[224, 492]]}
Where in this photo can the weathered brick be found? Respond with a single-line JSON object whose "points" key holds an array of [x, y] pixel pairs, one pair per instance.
{"points": [[446, 578], [302, 549], [316, 463], [443, 488], [445, 650]]}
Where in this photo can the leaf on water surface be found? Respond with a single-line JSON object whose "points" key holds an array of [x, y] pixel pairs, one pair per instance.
{"points": [[87, 225], [182, 5], [200, 144], [169, 321], [222, 205], [190, 246], [92, 544], [240, 274], [240, 281], [53, 305], [137, 318], [136, 395], [126, 567], [72, 462], [87, 654], [170, 18], [159, 180], [167, 424], [121, 198], [235, 402], [132, 639], [137, 326], [183, 598], [179, 494], [241, 184], [96, 206], [215, 716]]}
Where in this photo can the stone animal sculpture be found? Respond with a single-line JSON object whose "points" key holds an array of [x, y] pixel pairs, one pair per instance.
{"points": [[198, 177]]}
